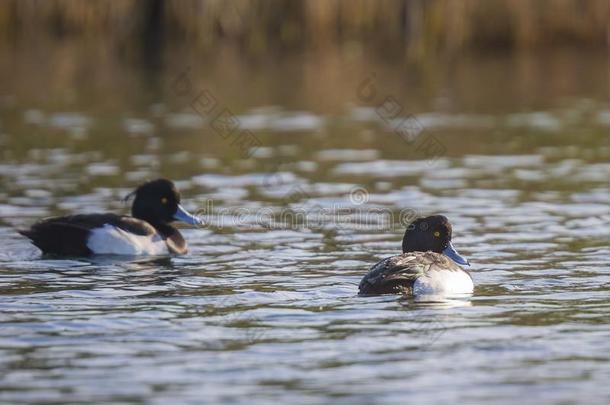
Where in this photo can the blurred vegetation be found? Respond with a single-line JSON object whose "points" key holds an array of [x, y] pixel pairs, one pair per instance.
{"points": [[420, 27]]}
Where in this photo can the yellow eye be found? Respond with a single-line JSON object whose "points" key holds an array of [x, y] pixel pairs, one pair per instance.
{"points": [[437, 234], [163, 200]]}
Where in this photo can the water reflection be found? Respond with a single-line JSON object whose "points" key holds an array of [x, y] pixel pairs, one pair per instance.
{"points": [[273, 312]]}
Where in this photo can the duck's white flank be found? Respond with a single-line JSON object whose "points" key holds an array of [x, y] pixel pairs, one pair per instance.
{"points": [[115, 241], [444, 282]]}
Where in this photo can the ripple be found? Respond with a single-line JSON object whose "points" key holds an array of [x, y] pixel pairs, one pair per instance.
{"points": [[269, 310], [387, 168]]}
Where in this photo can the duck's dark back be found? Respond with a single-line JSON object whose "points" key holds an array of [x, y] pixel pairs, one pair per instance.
{"points": [[68, 235]]}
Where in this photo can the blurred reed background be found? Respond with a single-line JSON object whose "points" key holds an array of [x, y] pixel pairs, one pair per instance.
{"points": [[418, 27], [481, 56]]}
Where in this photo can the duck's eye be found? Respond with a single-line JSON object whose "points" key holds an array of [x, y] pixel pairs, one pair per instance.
{"points": [[163, 200], [437, 234]]}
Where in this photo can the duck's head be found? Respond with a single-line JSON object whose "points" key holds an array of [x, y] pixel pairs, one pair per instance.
{"points": [[158, 202], [431, 233]]}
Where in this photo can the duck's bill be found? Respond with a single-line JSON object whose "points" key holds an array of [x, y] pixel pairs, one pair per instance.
{"points": [[451, 253], [184, 216]]}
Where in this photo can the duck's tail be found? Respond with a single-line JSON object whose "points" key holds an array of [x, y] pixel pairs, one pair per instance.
{"points": [[25, 232]]}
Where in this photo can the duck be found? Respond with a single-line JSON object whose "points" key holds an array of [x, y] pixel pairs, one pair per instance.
{"points": [[429, 264], [146, 232]]}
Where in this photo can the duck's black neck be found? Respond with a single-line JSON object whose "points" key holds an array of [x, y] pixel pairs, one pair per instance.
{"points": [[164, 229], [173, 237]]}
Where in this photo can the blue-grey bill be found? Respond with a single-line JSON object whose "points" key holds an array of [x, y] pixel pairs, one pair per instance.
{"points": [[451, 253], [183, 216]]}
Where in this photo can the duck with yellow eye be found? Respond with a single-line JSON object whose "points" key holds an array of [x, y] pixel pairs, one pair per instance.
{"points": [[146, 232], [429, 264]]}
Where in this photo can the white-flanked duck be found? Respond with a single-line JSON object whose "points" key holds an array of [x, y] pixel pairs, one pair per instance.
{"points": [[429, 264], [146, 232]]}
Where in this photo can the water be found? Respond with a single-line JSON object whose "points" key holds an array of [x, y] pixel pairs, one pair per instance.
{"points": [[264, 307]]}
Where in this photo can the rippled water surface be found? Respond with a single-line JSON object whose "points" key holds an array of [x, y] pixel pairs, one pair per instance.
{"points": [[264, 307]]}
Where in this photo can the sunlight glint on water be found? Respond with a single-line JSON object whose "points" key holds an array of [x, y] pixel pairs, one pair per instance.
{"points": [[271, 312]]}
